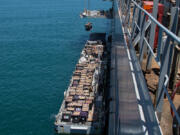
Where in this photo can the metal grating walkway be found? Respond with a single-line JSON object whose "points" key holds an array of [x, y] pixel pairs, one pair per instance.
{"points": [[131, 109]]}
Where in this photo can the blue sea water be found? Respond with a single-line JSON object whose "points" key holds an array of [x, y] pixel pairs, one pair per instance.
{"points": [[40, 43]]}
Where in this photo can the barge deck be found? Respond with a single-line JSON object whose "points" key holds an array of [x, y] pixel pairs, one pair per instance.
{"points": [[82, 110]]}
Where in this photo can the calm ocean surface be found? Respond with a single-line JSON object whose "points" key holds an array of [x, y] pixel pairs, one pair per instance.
{"points": [[40, 43]]}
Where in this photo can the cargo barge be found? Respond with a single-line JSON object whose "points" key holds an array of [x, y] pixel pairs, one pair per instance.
{"points": [[83, 108]]}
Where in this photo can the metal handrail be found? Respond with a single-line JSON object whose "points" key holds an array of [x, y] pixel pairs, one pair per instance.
{"points": [[159, 24], [138, 24]]}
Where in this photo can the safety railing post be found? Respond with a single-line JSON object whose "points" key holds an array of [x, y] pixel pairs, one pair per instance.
{"points": [[123, 6], [129, 18], [136, 36], [159, 98], [133, 19], [139, 17], [159, 47], [142, 39], [134, 28], [127, 12], [152, 33], [174, 23]]}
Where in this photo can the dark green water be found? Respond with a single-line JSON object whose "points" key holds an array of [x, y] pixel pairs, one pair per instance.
{"points": [[40, 43]]}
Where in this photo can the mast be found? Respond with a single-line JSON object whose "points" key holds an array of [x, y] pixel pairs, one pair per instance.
{"points": [[88, 4]]}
